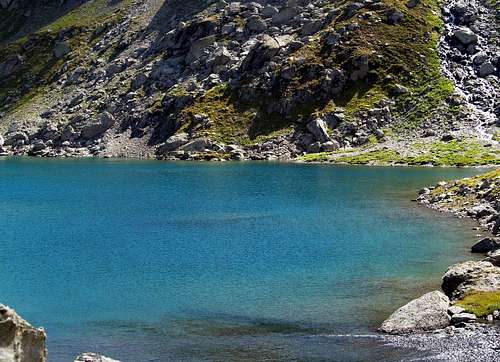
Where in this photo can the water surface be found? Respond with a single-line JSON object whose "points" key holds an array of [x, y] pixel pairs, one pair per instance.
{"points": [[152, 261]]}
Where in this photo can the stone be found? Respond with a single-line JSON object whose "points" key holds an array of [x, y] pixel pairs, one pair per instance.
{"points": [[429, 312], [139, 80], [261, 52], [13, 137], [465, 36], [256, 24], [455, 309], [311, 27], [486, 69], [494, 257], [198, 145], [330, 146], [463, 318], [486, 245], [198, 48], [2, 141], [412, 4], [269, 11], [103, 122], [319, 130], [19, 341], [463, 278], [61, 49], [174, 142], [10, 65], [93, 357], [394, 17], [284, 16]]}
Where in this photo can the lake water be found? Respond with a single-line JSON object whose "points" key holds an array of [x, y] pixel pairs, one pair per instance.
{"points": [[152, 261]]}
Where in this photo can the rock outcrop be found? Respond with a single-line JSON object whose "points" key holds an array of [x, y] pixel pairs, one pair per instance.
{"points": [[429, 312], [478, 276], [19, 341]]}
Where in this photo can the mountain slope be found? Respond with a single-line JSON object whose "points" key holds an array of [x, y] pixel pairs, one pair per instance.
{"points": [[372, 81]]}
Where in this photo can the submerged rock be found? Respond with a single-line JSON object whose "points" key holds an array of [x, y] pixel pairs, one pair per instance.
{"points": [[429, 312], [93, 357], [19, 341]]}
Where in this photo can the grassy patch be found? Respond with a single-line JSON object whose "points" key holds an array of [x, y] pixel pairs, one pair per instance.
{"points": [[481, 303]]}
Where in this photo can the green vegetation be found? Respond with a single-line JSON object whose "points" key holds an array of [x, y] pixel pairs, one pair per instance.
{"points": [[454, 153], [481, 303]]}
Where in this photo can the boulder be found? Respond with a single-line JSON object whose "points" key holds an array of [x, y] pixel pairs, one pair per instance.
{"points": [[463, 318], [14, 137], [266, 48], [486, 245], [61, 49], [19, 341], [486, 69], [494, 257], [2, 141], [465, 36], [461, 279], [10, 65], [103, 122], [198, 145], [256, 24], [173, 143], [284, 16], [319, 130], [330, 146], [394, 17], [429, 312], [455, 309], [93, 357]]}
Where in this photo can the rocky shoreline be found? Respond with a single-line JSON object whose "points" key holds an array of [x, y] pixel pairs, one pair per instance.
{"points": [[463, 316]]}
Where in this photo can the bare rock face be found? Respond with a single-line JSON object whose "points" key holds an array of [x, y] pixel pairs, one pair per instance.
{"points": [[19, 341], [429, 312], [460, 279], [93, 357]]}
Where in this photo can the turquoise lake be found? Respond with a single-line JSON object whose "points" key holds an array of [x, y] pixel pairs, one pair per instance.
{"points": [[153, 261]]}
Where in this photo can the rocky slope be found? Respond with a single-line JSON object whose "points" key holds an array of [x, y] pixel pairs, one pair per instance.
{"points": [[476, 197], [387, 81]]}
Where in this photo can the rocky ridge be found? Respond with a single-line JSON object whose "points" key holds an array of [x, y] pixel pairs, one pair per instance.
{"points": [[246, 80]]}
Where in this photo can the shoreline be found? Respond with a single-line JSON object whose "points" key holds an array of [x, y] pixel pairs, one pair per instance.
{"points": [[463, 318]]}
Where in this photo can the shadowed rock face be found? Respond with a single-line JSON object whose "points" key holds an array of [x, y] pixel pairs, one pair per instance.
{"points": [[429, 312], [19, 341]]}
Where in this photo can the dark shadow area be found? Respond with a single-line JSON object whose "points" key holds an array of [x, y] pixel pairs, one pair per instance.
{"points": [[172, 12], [26, 16]]}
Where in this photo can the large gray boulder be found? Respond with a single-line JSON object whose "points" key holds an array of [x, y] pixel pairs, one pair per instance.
{"points": [[173, 143], [319, 130], [429, 312], [198, 145], [103, 122], [461, 279], [266, 48], [19, 341], [465, 36]]}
